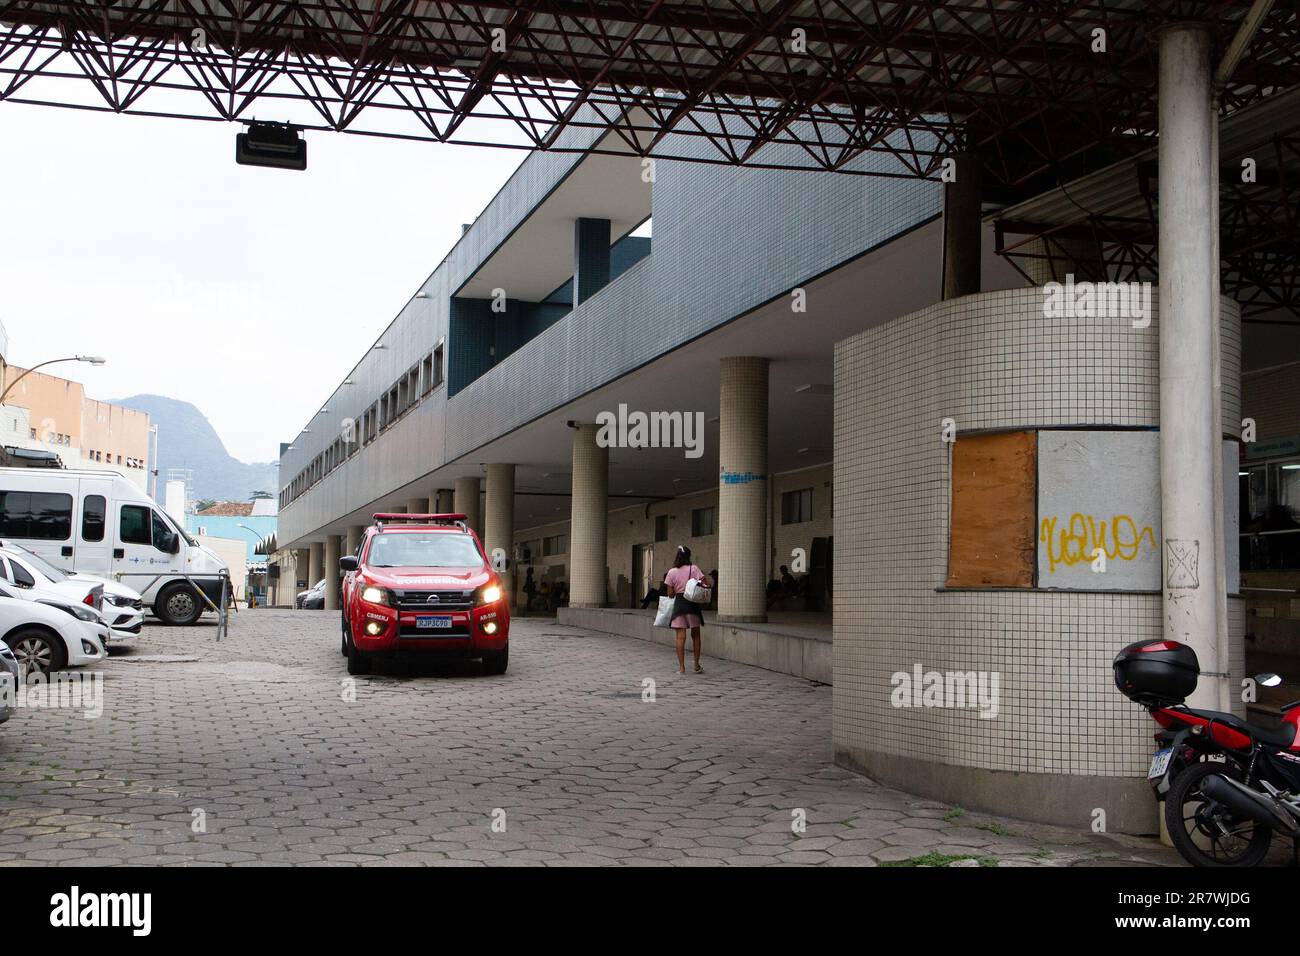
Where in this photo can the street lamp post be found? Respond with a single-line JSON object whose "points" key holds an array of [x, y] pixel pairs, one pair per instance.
{"points": [[92, 359]]}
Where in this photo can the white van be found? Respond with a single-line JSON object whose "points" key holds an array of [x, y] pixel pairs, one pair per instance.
{"points": [[99, 523]]}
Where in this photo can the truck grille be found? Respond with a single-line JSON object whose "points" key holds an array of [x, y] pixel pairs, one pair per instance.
{"points": [[423, 600]]}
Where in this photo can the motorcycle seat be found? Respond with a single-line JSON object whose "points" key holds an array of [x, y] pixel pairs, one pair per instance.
{"points": [[1283, 736]]}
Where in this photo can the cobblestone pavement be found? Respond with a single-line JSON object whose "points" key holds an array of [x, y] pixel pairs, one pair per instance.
{"points": [[253, 738]]}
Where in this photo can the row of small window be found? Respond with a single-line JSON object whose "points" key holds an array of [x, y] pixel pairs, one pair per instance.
{"points": [[97, 455], [44, 516], [796, 507], [107, 458], [408, 391], [54, 438]]}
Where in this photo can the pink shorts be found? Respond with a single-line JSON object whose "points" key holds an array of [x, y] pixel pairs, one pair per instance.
{"points": [[688, 620]]}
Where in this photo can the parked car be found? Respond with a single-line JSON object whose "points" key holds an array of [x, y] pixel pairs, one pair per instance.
{"points": [[99, 523], [122, 608], [313, 599], [422, 585], [51, 586], [9, 679], [45, 636]]}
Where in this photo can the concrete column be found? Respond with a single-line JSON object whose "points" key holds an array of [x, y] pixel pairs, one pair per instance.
{"points": [[1189, 448], [417, 506], [315, 563], [301, 569], [466, 501], [742, 491], [590, 258], [499, 523], [353, 542], [588, 565], [332, 572], [962, 229], [444, 503]]}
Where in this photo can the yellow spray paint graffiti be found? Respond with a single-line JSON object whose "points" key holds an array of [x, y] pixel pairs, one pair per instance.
{"points": [[1078, 537]]}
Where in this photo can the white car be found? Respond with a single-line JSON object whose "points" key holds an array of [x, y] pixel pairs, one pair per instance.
{"points": [[118, 606], [46, 637]]}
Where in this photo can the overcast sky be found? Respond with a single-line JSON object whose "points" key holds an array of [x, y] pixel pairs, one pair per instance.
{"points": [[249, 292]]}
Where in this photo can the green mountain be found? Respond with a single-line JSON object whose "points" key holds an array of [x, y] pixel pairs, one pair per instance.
{"points": [[187, 440]]}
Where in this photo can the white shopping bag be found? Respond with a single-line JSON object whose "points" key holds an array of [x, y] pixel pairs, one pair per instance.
{"points": [[697, 592], [664, 616]]}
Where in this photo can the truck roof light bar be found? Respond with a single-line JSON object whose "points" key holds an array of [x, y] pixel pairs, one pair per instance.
{"points": [[385, 517]]}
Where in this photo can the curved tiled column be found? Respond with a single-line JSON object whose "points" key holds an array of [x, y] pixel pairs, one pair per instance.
{"points": [[1064, 742]]}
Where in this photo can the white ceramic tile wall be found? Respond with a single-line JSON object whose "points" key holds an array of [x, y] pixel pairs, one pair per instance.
{"points": [[989, 361]]}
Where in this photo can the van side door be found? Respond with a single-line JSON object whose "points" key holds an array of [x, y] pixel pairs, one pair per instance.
{"points": [[94, 536]]}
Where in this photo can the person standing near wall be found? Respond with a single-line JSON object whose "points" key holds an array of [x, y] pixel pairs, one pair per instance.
{"points": [[686, 614]]}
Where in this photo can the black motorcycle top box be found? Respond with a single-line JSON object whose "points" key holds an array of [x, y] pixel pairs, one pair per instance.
{"points": [[1156, 672]]}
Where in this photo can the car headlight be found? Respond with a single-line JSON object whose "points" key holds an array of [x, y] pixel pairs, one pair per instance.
{"points": [[78, 611], [489, 594], [374, 595]]}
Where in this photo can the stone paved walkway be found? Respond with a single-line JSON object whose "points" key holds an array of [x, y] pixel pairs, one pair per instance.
{"points": [[253, 738]]}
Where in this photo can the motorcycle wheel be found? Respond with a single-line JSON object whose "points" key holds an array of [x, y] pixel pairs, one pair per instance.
{"points": [[1204, 831]]}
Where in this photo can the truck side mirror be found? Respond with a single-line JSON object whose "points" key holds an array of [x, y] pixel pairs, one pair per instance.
{"points": [[348, 563]]}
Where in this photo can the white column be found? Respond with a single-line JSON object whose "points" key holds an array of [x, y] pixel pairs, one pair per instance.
{"points": [[467, 501], [355, 533], [315, 563], [331, 572], [1189, 448], [742, 491], [588, 563], [499, 523]]}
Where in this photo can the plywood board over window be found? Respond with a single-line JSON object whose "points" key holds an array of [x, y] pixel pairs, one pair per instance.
{"points": [[993, 511]]}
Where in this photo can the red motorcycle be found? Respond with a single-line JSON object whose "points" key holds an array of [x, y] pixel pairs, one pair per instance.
{"points": [[1228, 784]]}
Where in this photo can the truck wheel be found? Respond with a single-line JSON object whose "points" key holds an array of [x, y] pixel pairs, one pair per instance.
{"points": [[358, 661], [178, 604], [37, 651], [495, 662]]}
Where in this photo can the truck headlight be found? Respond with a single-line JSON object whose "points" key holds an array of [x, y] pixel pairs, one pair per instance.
{"points": [[489, 594], [374, 595]]}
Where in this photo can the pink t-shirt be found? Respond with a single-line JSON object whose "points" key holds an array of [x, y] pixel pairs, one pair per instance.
{"points": [[677, 577]]}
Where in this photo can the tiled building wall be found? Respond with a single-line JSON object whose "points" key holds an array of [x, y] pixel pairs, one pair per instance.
{"points": [[989, 361]]}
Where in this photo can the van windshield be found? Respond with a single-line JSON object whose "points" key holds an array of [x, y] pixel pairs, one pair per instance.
{"points": [[40, 564], [407, 550]]}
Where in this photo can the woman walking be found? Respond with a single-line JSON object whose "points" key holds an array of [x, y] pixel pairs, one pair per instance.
{"points": [[686, 614]]}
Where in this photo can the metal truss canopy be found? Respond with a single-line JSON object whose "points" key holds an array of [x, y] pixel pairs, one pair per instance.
{"points": [[815, 84]]}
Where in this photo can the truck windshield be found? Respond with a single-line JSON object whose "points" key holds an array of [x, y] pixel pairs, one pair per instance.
{"points": [[405, 550]]}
